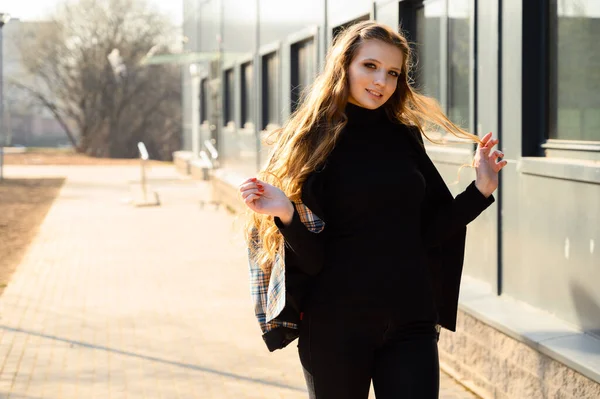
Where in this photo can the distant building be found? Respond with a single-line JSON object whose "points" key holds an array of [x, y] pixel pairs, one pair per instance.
{"points": [[26, 125]]}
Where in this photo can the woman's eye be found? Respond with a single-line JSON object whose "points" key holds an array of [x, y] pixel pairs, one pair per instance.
{"points": [[394, 74], [369, 65]]}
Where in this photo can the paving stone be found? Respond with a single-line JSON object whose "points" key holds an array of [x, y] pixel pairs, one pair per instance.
{"points": [[116, 301]]}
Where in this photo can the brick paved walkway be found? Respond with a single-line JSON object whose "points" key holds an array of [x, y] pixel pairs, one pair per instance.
{"points": [[113, 301]]}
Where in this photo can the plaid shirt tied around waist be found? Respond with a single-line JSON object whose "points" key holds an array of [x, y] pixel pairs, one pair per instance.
{"points": [[268, 289]]}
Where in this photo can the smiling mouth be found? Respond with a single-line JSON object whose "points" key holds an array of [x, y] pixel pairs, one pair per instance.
{"points": [[378, 95]]}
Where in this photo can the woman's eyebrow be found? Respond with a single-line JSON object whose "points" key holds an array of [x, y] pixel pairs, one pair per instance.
{"points": [[379, 62]]}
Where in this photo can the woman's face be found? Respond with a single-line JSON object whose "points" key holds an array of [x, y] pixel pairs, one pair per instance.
{"points": [[373, 74]]}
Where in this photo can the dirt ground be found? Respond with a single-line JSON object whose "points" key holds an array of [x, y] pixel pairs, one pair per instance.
{"points": [[24, 203], [66, 157], [23, 206]]}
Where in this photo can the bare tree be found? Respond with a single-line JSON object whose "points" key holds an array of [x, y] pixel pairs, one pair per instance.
{"points": [[87, 71]]}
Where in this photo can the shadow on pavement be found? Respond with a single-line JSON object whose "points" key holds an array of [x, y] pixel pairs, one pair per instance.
{"points": [[155, 359], [13, 395]]}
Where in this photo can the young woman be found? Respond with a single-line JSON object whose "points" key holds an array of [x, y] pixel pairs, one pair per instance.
{"points": [[372, 239]]}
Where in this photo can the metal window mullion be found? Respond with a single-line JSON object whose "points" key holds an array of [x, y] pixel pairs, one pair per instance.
{"points": [[222, 86], [323, 44], [499, 214], [264, 92], [473, 122], [316, 54], [278, 84], [237, 103], [285, 82], [551, 73], [196, 106], [257, 108], [295, 67], [276, 81], [444, 58], [225, 97]]}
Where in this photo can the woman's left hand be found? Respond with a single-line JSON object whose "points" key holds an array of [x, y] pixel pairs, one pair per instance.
{"points": [[487, 166]]}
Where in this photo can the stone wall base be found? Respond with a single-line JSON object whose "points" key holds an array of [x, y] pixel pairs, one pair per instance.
{"points": [[496, 366]]}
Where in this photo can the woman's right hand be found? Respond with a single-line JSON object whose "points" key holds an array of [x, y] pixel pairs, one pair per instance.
{"points": [[267, 199]]}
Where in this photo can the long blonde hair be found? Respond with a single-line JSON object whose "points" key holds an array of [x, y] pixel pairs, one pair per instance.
{"points": [[302, 145]]}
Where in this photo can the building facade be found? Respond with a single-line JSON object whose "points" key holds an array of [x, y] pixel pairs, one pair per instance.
{"points": [[25, 124], [527, 70]]}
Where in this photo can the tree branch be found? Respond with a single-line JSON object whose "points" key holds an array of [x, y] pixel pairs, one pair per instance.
{"points": [[52, 107]]}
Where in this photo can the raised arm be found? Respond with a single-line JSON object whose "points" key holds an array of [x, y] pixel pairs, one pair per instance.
{"points": [[442, 220]]}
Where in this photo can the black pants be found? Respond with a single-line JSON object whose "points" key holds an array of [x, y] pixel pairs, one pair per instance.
{"points": [[342, 350]]}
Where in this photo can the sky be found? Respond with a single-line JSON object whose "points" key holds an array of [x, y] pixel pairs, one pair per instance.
{"points": [[28, 10]]}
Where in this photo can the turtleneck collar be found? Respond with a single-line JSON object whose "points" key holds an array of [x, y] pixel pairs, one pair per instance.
{"points": [[359, 115]]}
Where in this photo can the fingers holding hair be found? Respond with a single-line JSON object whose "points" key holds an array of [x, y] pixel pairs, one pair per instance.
{"points": [[487, 143], [485, 139]]}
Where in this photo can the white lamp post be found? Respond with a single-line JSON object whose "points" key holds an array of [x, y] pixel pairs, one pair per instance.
{"points": [[4, 18], [195, 74]]}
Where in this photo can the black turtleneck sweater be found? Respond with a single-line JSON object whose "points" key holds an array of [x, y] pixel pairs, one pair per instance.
{"points": [[372, 197], [371, 253]]}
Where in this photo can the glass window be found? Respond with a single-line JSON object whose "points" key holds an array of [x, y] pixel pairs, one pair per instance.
{"points": [[303, 68], [204, 100], [444, 56], [247, 87], [229, 115], [270, 83], [459, 55], [575, 70], [429, 23], [338, 29]]}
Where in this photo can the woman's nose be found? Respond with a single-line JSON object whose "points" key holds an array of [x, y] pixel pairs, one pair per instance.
{"points": [[380, 79]]}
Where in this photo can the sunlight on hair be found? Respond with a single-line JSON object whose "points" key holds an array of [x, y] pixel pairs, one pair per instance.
{"points": [[302, 145]]}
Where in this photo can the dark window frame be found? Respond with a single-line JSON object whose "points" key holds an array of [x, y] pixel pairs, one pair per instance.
{"points": [[411, 9], [246, 110], [535, 78], [409, 22], [542, 156], [407, 14], [229, 95], [539, 91], [553, 139], [266, 117], [204, 96], [295, 89], [339, 28]]}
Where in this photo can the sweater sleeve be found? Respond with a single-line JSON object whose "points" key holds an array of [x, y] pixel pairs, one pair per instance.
{"points": [[443, 221], [306, 245]]}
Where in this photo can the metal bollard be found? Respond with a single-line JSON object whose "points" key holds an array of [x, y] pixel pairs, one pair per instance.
{"points": [[207, 165], [143, 159]]}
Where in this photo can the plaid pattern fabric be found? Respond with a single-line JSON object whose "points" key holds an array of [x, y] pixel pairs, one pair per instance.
{"points": [[310, 220], [268, 290]]}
